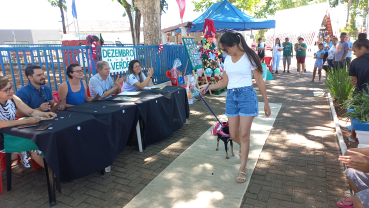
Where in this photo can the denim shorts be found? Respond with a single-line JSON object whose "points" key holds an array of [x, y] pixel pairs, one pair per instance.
{"points": [[318, 65], [242, 102]]}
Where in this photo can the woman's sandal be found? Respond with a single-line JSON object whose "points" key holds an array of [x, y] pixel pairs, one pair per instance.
{"points": [[341, 201], [243, 178]]}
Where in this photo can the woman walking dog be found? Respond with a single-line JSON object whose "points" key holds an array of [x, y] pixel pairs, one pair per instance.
{"points": [[241, 102]]}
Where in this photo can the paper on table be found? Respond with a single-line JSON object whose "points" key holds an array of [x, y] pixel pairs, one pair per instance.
{"points": [[129, 93], [149, 88]]}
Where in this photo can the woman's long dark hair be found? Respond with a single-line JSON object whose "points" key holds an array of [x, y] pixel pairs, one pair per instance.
{"points": [[279, 42], [230, 39], [130, 71], [362, 41]]}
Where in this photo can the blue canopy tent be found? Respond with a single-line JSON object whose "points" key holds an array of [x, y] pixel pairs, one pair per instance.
{"points": [[227, 17]]}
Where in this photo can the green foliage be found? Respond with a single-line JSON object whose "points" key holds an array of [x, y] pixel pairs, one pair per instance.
{"points": [[360, 103], [163, 6], [351, 29], [339, 85], [247, 5], [260, 34], [55, 3]]}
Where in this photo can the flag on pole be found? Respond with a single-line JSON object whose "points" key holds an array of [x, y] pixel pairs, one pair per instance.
{"points": [[129, 2], [74, 10], [182, 6]]}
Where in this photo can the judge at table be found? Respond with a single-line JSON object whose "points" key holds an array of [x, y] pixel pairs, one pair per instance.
{"points": [[9, 104], [135, 78], [74, 91], [102, 84]]}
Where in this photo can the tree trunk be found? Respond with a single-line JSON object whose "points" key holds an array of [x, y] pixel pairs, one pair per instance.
{"points": [[348, 11], [62, 16], [128, 11], [138, 25], [151, 18]]}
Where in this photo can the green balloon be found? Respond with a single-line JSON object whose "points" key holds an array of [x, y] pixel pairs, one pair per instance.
{"points": [[217, 71]]}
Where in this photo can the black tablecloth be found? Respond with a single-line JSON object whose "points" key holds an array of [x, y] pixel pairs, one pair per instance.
{"points": [[163, 112], [73, 147], [96, 132], [120, 120]]}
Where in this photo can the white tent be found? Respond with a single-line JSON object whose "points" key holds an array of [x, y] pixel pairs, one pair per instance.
{"points": [[305, 21]]}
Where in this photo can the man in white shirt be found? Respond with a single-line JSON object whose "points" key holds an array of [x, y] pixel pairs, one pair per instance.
{"points": [[102, 84]]}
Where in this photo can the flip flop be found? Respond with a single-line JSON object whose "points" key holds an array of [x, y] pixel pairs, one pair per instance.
{"points": [[345, 206], [243, 178]]}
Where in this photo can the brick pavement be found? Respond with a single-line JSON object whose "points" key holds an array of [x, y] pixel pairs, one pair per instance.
{"points": [[297, 168]]}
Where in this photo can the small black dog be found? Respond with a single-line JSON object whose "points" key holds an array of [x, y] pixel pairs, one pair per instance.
{"points": [[223, 135]]}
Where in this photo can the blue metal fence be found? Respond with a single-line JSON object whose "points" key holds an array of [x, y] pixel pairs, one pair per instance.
{"points": [[54, 60]]}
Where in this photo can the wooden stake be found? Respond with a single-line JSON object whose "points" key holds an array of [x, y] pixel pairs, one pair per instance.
{"points": [[186, 67]]}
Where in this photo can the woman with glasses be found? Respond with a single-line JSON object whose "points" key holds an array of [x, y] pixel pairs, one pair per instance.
{"points": [[135, 79], [74, 91], [9, 104]]}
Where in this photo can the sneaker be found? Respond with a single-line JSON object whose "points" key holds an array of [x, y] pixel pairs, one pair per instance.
{"points": [[24, 159], [304, 70], [276, 72], [284, 71], [288, 71]]}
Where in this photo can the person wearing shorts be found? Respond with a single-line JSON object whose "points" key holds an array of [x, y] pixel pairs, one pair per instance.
{"points": [[357, 161], [287, 54], [300, 49], [319, 56], [241, 104]]}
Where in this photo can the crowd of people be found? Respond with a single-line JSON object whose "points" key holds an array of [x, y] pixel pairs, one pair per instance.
{"points": [[35, 99]]}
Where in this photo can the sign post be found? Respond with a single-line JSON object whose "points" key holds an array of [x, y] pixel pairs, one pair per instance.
{"points": [[118, 58]]}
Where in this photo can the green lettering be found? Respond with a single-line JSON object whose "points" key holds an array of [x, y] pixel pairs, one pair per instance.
{"points": [[132, 53], [104, 54], [116, 52], [120, 65], [112, 66], [120, 53]]}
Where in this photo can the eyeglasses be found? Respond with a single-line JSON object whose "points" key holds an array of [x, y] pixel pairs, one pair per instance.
{"points": [[136, 67], [78, 71], [225, 50], [7, 90]]}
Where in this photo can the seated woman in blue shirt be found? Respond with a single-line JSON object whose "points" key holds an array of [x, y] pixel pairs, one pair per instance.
{"points": [[135, 78], [74, 91]]}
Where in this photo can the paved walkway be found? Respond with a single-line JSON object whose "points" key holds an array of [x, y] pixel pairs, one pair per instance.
{"points": [[298, 166]]}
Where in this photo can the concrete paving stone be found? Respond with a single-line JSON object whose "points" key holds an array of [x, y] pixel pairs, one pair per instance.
{"points": [[254, 202], [251, 195], [254, 188], [264, 196], [94, 201]]}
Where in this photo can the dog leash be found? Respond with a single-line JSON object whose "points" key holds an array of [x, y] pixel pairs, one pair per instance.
{"points": [[210, 108]]}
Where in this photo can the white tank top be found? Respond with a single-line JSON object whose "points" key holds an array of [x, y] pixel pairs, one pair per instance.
{"points": [[239, 73]]}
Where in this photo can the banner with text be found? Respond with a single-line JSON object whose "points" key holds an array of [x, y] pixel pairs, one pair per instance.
{"points": [[118, 58]]}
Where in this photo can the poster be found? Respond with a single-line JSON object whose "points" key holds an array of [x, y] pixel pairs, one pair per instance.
{"points": [[118, 58], [193, 53]]}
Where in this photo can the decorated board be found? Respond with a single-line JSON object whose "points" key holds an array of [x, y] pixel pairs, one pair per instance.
{"points": [[118, 58], [192, 52]]}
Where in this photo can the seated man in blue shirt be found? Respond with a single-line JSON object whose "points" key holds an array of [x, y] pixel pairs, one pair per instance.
{"points": [[102, 84], [36, 94]]}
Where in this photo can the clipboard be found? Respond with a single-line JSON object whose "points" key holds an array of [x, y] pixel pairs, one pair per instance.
{"points": [[56, 107]]}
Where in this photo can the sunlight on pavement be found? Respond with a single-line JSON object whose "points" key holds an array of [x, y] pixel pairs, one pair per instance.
{"points": [[204, 199]]}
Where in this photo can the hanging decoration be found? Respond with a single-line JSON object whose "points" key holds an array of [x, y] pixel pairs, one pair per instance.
{"points": [[209, 53], [160, 48]]}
